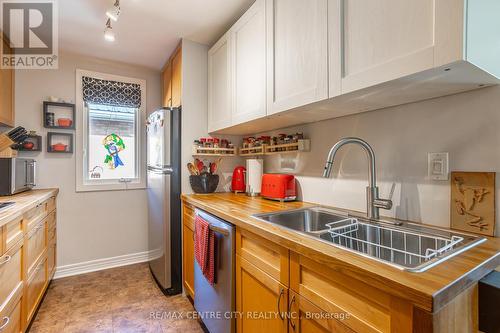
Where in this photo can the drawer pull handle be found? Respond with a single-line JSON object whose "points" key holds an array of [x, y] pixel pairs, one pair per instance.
{"points": [[6, 321], [282, 291], [5, 260], [290, 309]]}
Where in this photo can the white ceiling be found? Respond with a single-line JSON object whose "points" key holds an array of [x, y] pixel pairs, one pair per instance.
{"points": [[147, 31]]}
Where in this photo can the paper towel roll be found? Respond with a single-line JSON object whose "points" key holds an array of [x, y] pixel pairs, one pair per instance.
{"points": [[255, 168]]}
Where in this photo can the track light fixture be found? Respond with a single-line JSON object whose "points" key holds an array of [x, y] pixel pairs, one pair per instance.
{"points": [[109, 34], [114, 12]]}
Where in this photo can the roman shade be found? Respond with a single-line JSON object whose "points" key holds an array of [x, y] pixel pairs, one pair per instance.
{"points": [[114, 93]]}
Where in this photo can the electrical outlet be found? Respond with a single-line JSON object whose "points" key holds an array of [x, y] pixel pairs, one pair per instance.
{"points": [[438, 166]]}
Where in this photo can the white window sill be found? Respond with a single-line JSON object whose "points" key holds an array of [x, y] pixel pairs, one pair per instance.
{"points": [[110, 187]]}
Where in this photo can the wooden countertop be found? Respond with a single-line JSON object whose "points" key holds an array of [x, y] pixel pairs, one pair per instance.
{"points": [[429, 290], [23, 202]]}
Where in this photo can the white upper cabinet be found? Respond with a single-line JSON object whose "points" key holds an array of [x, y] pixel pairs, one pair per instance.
{"points": [[297, 59], [219, 85], [248, 44], [331, 58], [384, 40]]}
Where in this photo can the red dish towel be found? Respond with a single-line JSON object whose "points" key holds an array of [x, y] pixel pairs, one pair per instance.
{"points": [[204, 248]]}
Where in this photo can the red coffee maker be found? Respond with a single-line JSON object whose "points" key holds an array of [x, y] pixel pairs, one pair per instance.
{"points": [[238, 183]]}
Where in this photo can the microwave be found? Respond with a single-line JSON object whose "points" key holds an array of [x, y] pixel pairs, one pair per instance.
{"points": [[17, 175]]}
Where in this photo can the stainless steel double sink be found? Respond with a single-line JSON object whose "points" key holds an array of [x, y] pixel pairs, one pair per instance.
{"points": [[406, 246]]}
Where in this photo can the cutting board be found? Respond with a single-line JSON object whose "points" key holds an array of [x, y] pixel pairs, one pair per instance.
{"points": [[473, 202]]}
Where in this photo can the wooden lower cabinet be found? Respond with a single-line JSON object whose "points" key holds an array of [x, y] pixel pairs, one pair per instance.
{"points": [[36, 244], [188, 249], [27, 264], [261, 301], [35, 288], [188, 259]]}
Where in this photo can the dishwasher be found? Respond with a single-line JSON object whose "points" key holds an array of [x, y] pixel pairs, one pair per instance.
{"points": [[215, 304]]}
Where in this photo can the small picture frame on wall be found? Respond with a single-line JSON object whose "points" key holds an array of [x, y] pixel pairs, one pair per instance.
{"points": [[60, 143]]}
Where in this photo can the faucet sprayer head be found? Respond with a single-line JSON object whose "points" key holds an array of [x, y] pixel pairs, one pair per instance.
{"points": [[328, 169]]}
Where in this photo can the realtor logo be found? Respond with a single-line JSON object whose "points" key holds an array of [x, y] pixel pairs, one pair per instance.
{"points": [[30, 34]]}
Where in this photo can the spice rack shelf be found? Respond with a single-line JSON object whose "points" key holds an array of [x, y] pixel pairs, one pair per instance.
{"points": [[210, 151], [295, 147], [254, 151]]}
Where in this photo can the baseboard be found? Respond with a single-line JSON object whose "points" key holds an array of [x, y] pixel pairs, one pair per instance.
{"points": [[100, 264]]}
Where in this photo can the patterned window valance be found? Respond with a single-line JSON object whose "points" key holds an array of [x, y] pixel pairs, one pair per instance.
{"points": [[113, 93]]}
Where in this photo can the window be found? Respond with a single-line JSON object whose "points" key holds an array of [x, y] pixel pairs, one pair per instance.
{"points": [[110, 154]]}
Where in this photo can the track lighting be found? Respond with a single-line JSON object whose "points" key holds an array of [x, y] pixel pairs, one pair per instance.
{"points": [[109, 34], [114, 12]]}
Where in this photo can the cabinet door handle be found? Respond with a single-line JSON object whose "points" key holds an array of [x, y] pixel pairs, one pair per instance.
{"points": [[290, 309], [5, 260], [6, 321], [282, 292]]}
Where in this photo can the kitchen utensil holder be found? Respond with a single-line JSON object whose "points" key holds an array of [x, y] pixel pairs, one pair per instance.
{"points": [[204, 183]]}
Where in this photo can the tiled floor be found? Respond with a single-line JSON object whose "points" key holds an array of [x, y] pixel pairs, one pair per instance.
{"points": [[124, 299]]}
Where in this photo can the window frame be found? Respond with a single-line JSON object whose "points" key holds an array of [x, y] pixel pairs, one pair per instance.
{"points": [[84, 185]]}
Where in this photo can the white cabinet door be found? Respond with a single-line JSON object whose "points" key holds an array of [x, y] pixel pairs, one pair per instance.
{"points": [[383, 40], [219, 85], [297, 56], [248, 41]]}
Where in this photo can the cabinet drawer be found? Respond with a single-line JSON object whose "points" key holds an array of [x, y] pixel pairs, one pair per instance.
{"points": [[51, 258], [264, 254], [10, 313], [51, 204], [13, 232], [34, 215], [36, 243], [10, 272], [35, 288], [336, 290]]}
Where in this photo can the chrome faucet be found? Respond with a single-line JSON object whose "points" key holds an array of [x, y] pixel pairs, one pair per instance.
{"points": [[373, 202]]}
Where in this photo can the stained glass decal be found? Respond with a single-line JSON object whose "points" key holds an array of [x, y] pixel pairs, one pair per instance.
{"points": [[114, 145]]}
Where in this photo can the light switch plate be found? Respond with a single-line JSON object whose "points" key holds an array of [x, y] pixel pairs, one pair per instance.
{"points": [[438, 166]]}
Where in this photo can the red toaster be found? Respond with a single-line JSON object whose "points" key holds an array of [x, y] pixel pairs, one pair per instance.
{"points": [[278, 187]]}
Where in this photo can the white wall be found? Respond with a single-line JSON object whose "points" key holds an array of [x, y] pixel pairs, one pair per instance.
{"points": [[91, 225], [194, 112], [465, 125]]}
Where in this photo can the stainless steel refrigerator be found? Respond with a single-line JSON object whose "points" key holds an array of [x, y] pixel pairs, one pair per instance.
{"points": [[164, 190]]}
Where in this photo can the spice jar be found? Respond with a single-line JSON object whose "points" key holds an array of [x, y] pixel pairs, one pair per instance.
{"points": [[216, 142]]}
